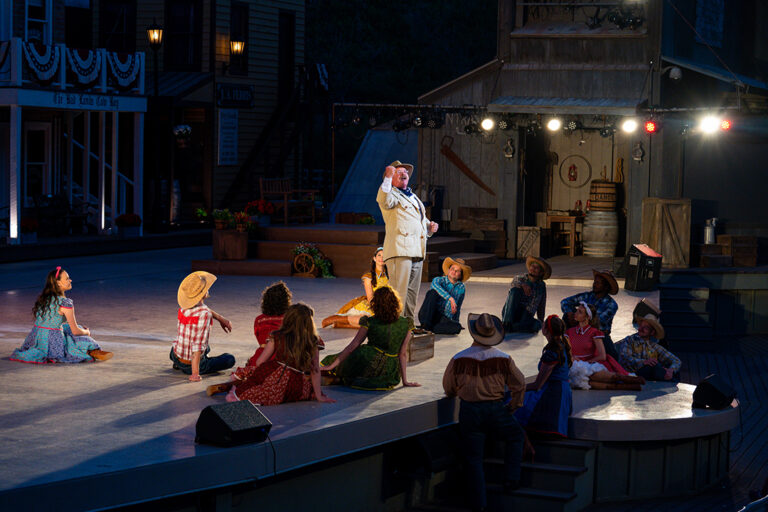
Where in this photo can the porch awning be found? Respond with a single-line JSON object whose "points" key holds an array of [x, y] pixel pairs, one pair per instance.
{"points": [[176, 84], [716, 72], [538, 105]]}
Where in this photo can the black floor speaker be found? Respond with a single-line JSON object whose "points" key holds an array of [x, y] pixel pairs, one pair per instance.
{"points": [[231, 424], [713, 392]]}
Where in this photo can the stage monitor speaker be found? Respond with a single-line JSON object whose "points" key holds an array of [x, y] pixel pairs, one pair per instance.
{"points": [[643, 266], [232, 423], [713, 392]]}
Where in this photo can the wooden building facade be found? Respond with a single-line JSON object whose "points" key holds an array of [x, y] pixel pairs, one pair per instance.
{"points": [[594, 65]]}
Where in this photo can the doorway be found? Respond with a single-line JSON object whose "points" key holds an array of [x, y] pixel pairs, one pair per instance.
{"points": [[38, 179]]}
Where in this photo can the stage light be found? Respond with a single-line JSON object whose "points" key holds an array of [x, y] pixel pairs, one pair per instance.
{"points": [[373, 120], [725, 125], [435, 120], [356, 118], [571, 125], [554, 124], [418, 121], [606, 131], [629, 126], [709, 124], [506, 122], [651, 126], [471, 128], [488, 124]]}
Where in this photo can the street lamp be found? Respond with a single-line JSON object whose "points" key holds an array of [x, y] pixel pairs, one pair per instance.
{"points": [[236, 49], [155, 38]]}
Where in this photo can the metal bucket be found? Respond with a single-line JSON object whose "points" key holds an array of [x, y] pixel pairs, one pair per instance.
{"points": [[600, 234]]}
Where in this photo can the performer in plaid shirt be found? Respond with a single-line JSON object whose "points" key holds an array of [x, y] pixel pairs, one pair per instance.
{"points": [[642, 354], [190, 349], [527, 298], [440, 310], [603, 286]]}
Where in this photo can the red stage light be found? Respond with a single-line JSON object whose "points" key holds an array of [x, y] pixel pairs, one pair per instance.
{"points": [[725, 125], [651, 126]]}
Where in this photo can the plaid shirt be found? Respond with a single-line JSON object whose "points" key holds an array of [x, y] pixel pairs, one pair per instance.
{"points": [[446, 289], [535, 303], [606, 307], [194, 327], [633, 350]]}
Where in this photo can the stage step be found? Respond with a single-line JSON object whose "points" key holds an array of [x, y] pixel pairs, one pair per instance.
{"points": [[325, 233], [244, 267], [565, 451], [447, 245], [542, 476], [532, 499], [682, 306]]}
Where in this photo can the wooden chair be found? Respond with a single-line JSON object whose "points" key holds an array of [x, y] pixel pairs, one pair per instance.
{"points": [[280, 192]]}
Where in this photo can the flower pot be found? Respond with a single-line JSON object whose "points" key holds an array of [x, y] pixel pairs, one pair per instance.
{"points": [[219, 223], [129, 231]]}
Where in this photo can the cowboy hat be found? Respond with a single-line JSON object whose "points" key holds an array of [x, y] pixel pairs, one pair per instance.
{"points": [[654, 321], [545, 267], [408, 167], [466, 270], [608, 276], [485, 328], [194, 287]]}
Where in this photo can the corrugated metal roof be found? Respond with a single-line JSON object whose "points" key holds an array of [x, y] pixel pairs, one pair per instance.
{"points": [[534, 105], [380, 147], [716, 72]]}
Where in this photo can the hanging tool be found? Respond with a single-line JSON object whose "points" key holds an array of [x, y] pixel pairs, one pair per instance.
{"points": [[446, 150]]}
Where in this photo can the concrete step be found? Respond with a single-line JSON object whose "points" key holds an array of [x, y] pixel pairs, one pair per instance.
{"points": [[682, 306], [679, 318], [541, 476], [244, 267], [572, 452], [531, 499]]}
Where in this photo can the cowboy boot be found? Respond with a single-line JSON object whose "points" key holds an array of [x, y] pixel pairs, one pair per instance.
{"points": [[100, 355], [218, 388], [343, 323], [331, 320]]}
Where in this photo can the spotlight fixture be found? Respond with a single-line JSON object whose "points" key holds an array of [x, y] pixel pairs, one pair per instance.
{"points": [[435, 120], [505, 123], [554, 124], [418, 120], [710, 124], [488, 124], [629, 126], [725, 125], [356, 118], [606, 131], [373, 120], [651, 126], [571, 125]]}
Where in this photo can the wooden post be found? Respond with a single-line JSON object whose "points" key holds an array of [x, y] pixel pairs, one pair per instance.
{"points": [[138, 167], [102, 171], [86, 182], [70, 147], [113, 195], [16, 199]]}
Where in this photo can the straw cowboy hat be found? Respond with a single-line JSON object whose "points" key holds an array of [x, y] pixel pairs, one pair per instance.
{"points": [[654, 321], [543, 264], [194, 287], [608, 276], [408, 167], [466, 270], [485, 329]]}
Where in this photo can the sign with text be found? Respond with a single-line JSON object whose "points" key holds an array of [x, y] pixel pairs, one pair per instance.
{"points": [[234, 95], [92, 101], [227, 136]]}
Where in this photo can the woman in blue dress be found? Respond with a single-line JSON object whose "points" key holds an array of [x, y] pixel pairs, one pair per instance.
{"points": [[548, 400], [56, 337]]}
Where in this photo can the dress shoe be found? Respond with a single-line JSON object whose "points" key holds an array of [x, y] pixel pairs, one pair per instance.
{"points": [[100, 355]]}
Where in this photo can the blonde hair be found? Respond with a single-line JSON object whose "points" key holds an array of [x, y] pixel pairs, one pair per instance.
{"points": [[299, 336]]}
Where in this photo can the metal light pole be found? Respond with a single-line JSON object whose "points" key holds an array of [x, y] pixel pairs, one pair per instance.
{"points": [[155, 37]]}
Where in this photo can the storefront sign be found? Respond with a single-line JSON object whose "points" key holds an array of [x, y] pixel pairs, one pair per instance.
{"points": [[234, 95], [227, 136], [90, 101]]}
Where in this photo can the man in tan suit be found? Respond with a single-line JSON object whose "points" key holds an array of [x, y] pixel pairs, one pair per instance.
{"points": [[407, 230]]}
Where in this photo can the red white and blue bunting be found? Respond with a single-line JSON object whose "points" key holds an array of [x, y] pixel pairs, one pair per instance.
{"points": [[43, 66], [124, 72], [85, 64]]}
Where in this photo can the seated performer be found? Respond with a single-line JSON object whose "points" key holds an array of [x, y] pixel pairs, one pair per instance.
{"points": [[592, 368], [190, 349], [349, 314], [440, 310], [275, 300], [56, 337], [603, 285], [527, 297], [642, 354], [293, 374], [548, 400], [480, 376], [380, 363]]}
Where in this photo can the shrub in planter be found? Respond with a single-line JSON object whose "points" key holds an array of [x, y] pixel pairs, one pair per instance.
{"points": [[128, 220]]}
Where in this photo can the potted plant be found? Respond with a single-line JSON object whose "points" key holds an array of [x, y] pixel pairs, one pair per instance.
{"points": [[260, 210], [183, 133], [242, 219], [28, 228], [221, 218], [128, 225], [309, 261], [201, 215]]}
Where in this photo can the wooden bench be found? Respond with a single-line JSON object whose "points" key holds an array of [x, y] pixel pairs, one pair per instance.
{"points": [[288, 197]]}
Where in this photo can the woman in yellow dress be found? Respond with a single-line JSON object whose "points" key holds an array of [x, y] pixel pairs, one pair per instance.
{"points": [[349, 314]]}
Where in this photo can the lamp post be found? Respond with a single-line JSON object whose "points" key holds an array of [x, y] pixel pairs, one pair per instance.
{"points": [[155, 37], [236, 49]]}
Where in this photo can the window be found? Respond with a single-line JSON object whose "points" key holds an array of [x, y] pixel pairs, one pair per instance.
{"points": [[78, 24], [182, 36], [38, 21], [286, 55], [117, 25], [238, 31]]}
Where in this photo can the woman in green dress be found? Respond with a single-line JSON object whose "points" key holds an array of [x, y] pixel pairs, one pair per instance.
{"points": [[380, 363]]}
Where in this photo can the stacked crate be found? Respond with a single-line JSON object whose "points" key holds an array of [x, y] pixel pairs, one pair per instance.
{"points": [[488, 232], [742, 249]]}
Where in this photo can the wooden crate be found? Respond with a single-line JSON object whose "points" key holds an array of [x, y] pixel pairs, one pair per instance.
{"points": [[421, 348], [666, 228], [229, 244], [532, 241], [736, 240], [715, 260], [469, 212]]}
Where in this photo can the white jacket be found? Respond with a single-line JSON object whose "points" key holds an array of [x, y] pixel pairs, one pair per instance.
{"points": [[406, 224]]}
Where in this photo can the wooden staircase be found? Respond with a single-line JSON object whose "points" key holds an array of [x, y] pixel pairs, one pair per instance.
{"points": [[483, 226], [685, 315]]}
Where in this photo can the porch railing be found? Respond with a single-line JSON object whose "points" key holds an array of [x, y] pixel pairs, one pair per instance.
{"points": [[58, 67]]}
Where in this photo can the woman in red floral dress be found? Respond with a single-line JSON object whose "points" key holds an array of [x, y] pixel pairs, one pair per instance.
{"points": [[275, 300], [292, 375]]}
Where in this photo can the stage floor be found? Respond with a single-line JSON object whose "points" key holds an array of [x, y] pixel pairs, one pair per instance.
{"points": [[133, 417]]}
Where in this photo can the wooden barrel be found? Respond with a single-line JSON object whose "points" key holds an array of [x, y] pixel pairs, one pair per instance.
{"points": [[600, 234], [602, 196]]}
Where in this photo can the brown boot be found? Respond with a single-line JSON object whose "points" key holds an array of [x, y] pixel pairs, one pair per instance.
{"points": [[224, 387], [343, 323], [618, 386], [331, 320], [100, 355]]}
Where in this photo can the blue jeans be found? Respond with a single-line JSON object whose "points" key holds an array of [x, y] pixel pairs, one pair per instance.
{"points": [[432, 318], [477, 420], [515, 317], [207, 364]]}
